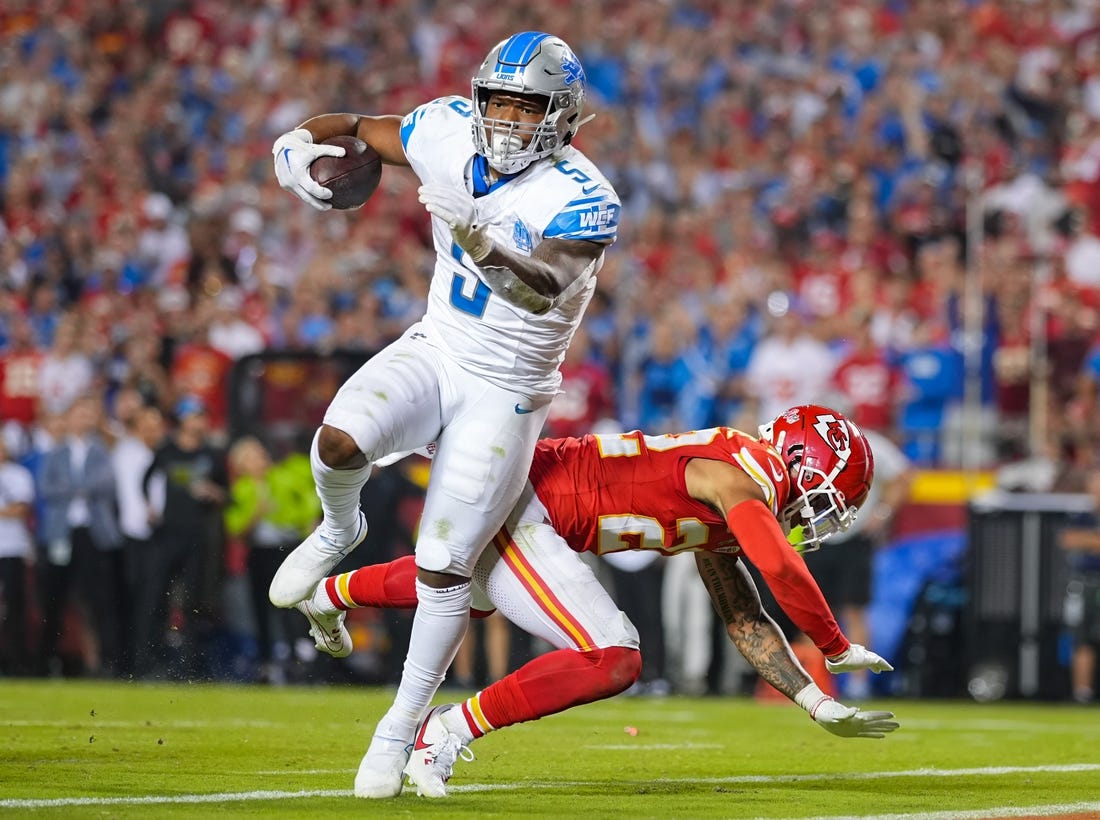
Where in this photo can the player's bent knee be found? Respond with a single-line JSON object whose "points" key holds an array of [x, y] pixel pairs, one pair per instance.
{"points": [[432, 556], [621, 666], [338, 450], [625, 665]]}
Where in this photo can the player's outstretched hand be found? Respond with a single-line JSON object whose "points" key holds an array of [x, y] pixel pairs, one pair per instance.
{"points": [[857, 657], [849, 721], [294, 152], [456, 208]]}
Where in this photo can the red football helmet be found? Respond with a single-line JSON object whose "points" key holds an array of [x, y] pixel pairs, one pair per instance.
{"points": [[831, 467]]}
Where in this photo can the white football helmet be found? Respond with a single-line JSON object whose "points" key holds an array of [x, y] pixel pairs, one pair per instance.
{"points": [[831, 468], [531, 62]]}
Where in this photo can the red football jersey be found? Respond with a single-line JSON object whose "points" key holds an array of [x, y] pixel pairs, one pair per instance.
{"points": [[19, 391], [620, 492], [607, 493]]}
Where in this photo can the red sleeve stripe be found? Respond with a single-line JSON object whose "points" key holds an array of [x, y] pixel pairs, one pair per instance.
{"points": [[755, 470]]}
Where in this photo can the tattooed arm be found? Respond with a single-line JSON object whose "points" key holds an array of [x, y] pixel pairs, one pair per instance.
{"points": [[754, 633], [751, 629]]}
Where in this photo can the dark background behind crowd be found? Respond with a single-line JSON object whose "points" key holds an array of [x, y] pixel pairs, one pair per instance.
{"points": [[891, 206]]}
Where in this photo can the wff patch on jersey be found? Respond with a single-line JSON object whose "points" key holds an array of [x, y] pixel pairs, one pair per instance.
{"points": [[586, 218], [598, 216]]}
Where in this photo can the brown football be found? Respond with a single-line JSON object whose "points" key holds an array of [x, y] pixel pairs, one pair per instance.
{"points": [[353, 177]]}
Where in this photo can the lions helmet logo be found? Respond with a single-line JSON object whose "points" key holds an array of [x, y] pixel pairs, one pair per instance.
{"points": [[571, 67]]}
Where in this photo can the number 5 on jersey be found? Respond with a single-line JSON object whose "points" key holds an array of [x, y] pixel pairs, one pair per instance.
{"points": [[467, 297]]}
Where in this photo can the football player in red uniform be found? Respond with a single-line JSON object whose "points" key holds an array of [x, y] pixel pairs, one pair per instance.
{"points": [[719, 493]]}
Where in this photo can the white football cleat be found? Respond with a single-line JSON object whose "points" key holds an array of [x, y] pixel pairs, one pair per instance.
{"points": [[433, 753], [382, 770], [327, 629], [310, 561]]}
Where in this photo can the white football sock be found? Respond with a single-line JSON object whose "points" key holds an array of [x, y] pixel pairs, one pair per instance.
{"points": [[339, 493], [321, 600], [439, 625], [454, 722]]}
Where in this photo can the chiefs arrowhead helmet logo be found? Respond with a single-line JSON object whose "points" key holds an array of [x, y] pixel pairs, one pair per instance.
{"points": [[835, 433]]}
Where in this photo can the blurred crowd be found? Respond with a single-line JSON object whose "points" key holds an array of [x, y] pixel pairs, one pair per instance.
{"points": [[890, 206]]}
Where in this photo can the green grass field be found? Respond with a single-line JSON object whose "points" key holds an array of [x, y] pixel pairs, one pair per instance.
{"points": [[76, 749]]}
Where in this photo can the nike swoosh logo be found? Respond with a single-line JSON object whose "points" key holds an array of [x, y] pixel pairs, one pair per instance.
{"points": [[419, 743], [523, 411], [286, 156], [588, 189]]}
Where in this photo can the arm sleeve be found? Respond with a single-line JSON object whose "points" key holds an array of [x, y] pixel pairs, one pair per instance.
{"points": [[761, 540]]}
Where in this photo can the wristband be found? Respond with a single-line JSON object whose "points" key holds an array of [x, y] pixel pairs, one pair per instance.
{"points": [[482, 248], [810, 697]]}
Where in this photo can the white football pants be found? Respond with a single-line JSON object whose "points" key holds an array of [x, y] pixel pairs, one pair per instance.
{"points": [[411, 394]]}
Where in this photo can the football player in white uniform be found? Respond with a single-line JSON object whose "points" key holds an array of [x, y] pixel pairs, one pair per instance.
{"points": [[520, 221]]}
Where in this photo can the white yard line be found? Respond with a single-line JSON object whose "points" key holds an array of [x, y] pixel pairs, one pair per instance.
{"points": [[995, 725], [983, 771], [976, 814], [228, 797], [97, 723], [653, 747], [285, 772]]}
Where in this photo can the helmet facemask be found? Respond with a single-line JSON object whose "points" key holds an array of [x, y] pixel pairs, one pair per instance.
{"points": [[501, 142], [530, 64], [819, 509], [818, 446]]}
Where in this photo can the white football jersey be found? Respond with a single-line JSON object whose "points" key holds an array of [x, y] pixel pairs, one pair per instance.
{"points": [[564, 197]]}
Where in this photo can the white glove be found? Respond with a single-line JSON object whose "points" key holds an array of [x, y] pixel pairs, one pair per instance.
{"points": [[294, 152], [456, 208], [841, 720], [848, 721], [857, 657]]}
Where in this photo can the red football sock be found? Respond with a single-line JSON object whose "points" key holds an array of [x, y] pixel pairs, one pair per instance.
{"points": [[387, 586], [552, 683], [391, 586]]}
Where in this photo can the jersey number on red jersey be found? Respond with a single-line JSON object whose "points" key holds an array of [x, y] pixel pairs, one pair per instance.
{"points": [[630, 532]]}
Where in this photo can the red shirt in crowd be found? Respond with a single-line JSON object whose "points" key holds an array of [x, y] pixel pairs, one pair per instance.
{"points": [[871, 387], [203, 371], [19, 386], [584, 400]]}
